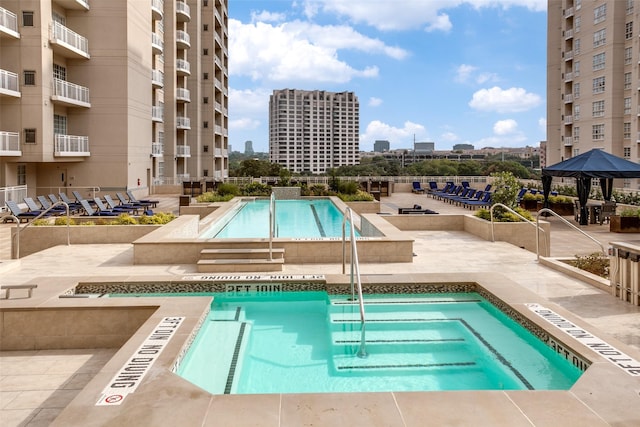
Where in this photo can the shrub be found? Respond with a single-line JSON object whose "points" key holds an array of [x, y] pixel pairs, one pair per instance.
{"points": [[318, 190], [256, 189], [124, 219], [506, 189], [63, 221], [210, 197], [630, 212], [348, 187], [560, 199], [359, 196], [40, 221], [501, 215], [596, 263], [227, 188]]}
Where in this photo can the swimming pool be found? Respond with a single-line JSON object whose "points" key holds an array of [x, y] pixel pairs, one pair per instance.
{"points": [[304, 342], [313, 218]]}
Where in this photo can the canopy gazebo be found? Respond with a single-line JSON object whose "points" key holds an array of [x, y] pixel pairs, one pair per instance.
{"points": [[595, 163]]}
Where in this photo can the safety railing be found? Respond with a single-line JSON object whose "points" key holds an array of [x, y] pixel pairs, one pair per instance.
{"points": [[272, 223], [355, 274], [43, 213], [507, 208]]}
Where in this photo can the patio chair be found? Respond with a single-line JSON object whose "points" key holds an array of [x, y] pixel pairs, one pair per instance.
{"points": [[104, 209], [79, 198], [124, 202], [112, 206], [55, 210], [417, 188], [433, 187], [33, 207], [74, 206], [607, 209], [485, 201], [17, 212], [91, 212], [152, 203]]}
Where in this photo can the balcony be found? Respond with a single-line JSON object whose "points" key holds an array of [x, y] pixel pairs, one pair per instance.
{"points": [[9, 84], [10, 144], [568, 34], [157, 78], [69, 94], [71, 146], [183, 67], [157, 149], [183, 40], [568, 13], [183, 95], [157, 114], [8, 24], [183, 151], [221, 152], [73, 4], [568, 56], [568, 77], [157, 44], [183, 11], [68, 43], [568, 120], [568, 141], [183, 123], [568, 99], [157, 9]]}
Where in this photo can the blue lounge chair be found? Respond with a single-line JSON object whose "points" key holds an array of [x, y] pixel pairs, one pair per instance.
{"points": [[33, 207], [485, 201], [103, 209], [125, 202], [132, 199], [417, 188], [112, 206], [433, 187], [17, 212], [55, 210], [91, 212], [74, 206]]}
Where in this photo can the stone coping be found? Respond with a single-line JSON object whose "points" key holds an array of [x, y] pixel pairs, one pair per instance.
{"points": [[163, 398]]}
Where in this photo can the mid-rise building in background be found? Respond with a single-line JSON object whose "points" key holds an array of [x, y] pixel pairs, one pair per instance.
{"points": [[593, 79], [313, 131], [380, 146], [114, 95]]}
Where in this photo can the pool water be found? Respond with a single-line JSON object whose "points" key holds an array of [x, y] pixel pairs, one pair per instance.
{"points": [[306, 342], [313, 218]]}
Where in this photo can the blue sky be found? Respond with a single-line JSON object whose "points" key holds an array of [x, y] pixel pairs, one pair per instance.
{"points": [[447, 71]]}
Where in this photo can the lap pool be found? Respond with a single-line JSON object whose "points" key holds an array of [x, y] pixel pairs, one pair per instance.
{"points": [[306, 342], [314, 218]]}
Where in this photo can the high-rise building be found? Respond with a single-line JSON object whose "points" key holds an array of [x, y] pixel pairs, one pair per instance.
{"points": [[380, 146], [248, 147], [313, 131], [592, 79], [112, 94]]}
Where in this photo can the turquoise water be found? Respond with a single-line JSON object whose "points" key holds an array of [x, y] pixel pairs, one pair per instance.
{"points": [[306, 342], [313, 218]]}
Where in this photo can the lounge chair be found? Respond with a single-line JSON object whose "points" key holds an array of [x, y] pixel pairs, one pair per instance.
{"points": [[485, 201], [17, 212], [417, 188], [103, 209], [89, 210], [111, 205], [33, 207], [55, 210], [124, 202], [416, 209], [74, 206], [79, 198], [433, 187], [132, 199], [448, 186]]}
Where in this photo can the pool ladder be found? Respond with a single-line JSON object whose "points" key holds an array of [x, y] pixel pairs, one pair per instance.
{"points": [[355, 273]]}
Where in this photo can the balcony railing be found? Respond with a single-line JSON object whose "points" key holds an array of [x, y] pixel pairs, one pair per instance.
{"points": [[183, 11], [183, 94], [157, 114], [568, 99], [10, 144], [157, 78], [70, 93], [183, 39], [182, 177], [183, 66], [73, 44], [568, 34], [157, 149], [157, 9], [568, 12], [9, 84], [157, 43], [9, 23], [74, 4], [183, 122], [568, 141], [568, 120], [568, 77], [183, 151], [568, 56], [71, 146]]}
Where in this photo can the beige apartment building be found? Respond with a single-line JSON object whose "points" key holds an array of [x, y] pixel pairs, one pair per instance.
{"points": [[112, 94], [313, 131], [593, 79]]}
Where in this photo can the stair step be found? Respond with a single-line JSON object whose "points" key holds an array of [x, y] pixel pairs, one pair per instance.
{"points": [[239, 265], [394, 362], [236, 253]]}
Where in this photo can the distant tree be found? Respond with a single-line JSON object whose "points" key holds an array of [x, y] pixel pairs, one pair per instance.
{"points": [[256, 168], [508, 166]]}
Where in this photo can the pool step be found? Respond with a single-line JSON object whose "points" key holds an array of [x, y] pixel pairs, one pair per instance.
{"points": [[240, 260]]}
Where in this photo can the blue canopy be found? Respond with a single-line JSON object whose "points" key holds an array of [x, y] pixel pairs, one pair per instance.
{"points": [[584, 167]]}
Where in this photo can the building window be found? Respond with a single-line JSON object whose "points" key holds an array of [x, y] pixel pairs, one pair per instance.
{"points": [[598, 85], [628, 30], [576, 90], [21, 175], [576, 112], [598, 109], [577, 22], [27, 19], [205, 100], [627, 81], [626, 130], [205, 172], [205, 52], [576, 68], [597, 132], [205, 3], [626, 152], [630, 7], [59, 72], [598, 61], [59, 124], [627, 106], [205, 76], [29, 78], [205, 27], [30, 136], [600, 37], [205, 148], [576, 46], [600, 14], [576, 134], [627, 55], [205, 125]]}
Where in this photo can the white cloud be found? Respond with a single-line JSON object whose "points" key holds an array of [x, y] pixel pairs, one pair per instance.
{"points": [[510, 100], [427, 14], [505, 127], [449, 137], [466, 73], [486, 77], [244, 123], [248, 107], [299, 51], [463, 72], [396, 136], [542, 124], [375, 102], [266, 16]]}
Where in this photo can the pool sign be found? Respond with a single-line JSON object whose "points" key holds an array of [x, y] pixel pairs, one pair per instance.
{"points": [[130, 375], [610, 353]]}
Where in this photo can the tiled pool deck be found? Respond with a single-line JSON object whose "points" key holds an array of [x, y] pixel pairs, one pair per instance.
{"points": [[36, 386]]}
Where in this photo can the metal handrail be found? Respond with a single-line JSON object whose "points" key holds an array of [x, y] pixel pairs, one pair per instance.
{"points": [[547, 210], [536, 225], [354, 270], [59, 203], [272, 223]]}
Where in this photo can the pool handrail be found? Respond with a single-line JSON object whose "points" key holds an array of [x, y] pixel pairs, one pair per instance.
{"points": [[354, 268], [537, 226], [44, 212], [272, 220]]}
